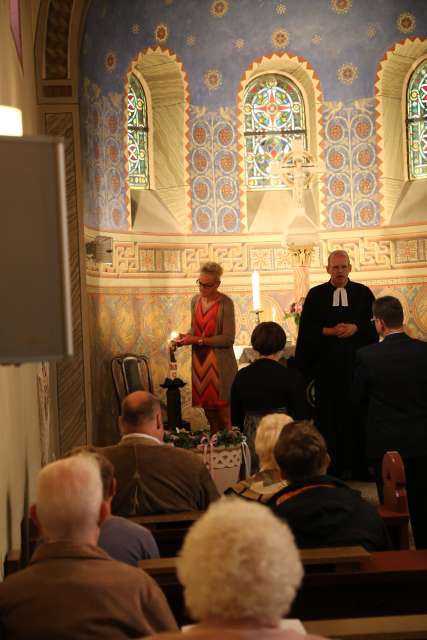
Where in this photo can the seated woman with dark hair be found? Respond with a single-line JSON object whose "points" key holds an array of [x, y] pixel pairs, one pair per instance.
{"points": [[266, 386]]}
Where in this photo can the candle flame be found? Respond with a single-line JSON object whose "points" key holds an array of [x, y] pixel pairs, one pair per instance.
{"points": [[173, 335]]}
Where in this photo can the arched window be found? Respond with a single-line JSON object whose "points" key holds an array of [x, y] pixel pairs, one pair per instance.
{"points": [[137, 135], [274, 116], [417, 122]]}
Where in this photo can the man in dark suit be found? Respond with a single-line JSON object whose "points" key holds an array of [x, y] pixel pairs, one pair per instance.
{"points": [[391, 383], [153, 477]]}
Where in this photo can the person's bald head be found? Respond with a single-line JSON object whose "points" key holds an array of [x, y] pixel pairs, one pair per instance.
{"points": [[69, 503], [141, 414]]}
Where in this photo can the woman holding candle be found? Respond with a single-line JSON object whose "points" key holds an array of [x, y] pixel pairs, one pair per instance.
{"points": [[211, 337]]}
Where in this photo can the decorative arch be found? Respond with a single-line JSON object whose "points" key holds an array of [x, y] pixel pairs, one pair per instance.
{"points": [[165, 83], [399, 198], [299, 70]]}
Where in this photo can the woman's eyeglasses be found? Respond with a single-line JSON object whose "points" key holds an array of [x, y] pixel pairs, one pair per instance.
{"points": [[206, 285]]}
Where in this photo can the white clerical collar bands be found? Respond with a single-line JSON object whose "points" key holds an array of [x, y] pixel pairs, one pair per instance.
{"points": [[340, 298]]}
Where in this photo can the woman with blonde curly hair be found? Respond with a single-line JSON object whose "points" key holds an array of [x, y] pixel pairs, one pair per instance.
{"points": [[211, 337], [241, 571], [266, 482]]}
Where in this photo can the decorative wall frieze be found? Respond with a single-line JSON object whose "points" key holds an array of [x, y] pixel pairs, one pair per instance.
{"points": [[141, 257]]}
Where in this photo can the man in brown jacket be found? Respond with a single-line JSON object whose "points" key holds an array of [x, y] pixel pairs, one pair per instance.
{"points": [[71, 588], [153, 477]]}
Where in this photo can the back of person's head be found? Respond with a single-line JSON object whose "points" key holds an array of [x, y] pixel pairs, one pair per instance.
{"points": [[139, 411], [105, 466], [239, 562], [388, 309], [69, 497], [268, 338], [301, 451], [267, 434]]}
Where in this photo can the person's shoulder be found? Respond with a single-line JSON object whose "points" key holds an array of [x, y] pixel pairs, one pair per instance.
{"points": [[119, 524], [368, 350], [110, 449], [183, 456], [360, 287], [319, 289], [226, 300]]}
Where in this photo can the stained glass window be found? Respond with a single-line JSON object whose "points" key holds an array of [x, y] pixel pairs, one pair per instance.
{"points": [[273, 117], [417, 122], [137, 136]]}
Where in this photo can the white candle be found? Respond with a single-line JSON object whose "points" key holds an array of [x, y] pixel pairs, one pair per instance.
{"points": [[273, 314], [256, 294]]}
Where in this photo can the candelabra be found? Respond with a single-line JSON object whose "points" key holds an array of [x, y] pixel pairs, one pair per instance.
{"points": [[257, 313]]}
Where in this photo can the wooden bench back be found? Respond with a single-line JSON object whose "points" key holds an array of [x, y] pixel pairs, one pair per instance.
{"points": [[394, 511]]}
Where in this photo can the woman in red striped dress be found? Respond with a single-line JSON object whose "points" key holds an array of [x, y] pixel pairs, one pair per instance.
{"points": [[212, 337]]}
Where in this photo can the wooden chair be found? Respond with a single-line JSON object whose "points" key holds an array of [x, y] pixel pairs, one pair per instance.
{"points": [[131, 372], [394, 511]]}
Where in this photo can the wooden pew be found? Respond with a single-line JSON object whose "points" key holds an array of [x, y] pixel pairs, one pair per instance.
{"points": [[169, 529], [360, 584], [394, 511], [378, 628], [335, 559]]}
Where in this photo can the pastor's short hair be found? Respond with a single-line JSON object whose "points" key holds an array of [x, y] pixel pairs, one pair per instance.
{"points": [[300, 451], [268, 338], [239, 562]]}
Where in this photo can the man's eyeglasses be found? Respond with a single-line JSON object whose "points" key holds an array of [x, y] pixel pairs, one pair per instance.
{"points": [[373, 320], [206, 285]]}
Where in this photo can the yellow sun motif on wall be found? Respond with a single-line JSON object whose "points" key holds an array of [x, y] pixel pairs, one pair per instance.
{"points": [[280, 38], [347, 73], [219, 8]]}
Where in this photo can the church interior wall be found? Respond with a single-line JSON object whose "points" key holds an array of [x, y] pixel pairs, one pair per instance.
{"points": [[19, 409], [137, 299]]}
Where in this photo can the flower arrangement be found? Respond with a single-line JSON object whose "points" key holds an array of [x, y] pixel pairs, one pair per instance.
{"points": [[295, 311], [185, 439]]}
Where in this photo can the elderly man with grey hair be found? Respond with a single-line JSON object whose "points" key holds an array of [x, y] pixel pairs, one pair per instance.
{"points": [[71, 588], [239, 581], [335, 322]]}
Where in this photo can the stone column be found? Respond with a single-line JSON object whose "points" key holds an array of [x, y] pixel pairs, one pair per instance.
{"points": [[301, 257]]}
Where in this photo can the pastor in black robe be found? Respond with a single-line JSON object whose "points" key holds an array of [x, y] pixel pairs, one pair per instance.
{"points": [[329, 360]]}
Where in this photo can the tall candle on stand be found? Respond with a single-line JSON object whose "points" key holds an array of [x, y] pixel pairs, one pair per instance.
{"points": [[256, 294], [273, 314], [172, 359]]}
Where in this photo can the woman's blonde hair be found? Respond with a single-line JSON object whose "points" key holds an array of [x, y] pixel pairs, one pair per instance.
{"points": [[268, 432], [212, 268], [239, 562]]}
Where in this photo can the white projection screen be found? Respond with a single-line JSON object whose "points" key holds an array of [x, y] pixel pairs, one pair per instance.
{"points": [[35, 314]]}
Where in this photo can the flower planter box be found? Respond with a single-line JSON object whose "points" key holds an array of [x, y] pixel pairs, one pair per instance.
{"points": [[223, 461]]}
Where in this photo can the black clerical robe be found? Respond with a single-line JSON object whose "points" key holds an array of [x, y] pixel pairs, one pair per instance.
{"points": [[330, 362]]}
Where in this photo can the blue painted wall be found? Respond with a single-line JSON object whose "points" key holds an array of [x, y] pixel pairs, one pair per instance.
{"points": [[228, 36]]}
